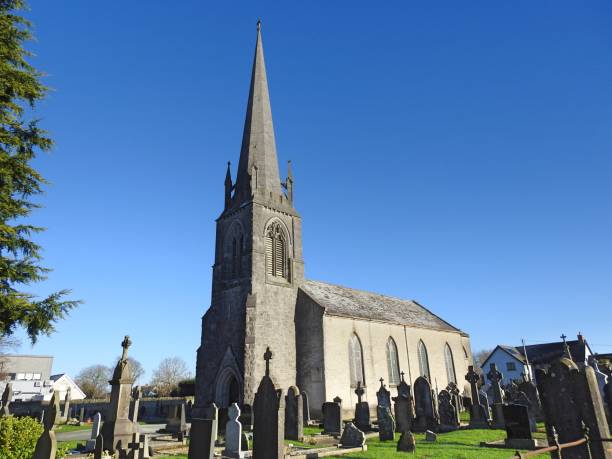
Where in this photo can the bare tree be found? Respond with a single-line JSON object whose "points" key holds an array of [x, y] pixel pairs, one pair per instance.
{"points": [[168, 374], [480, 357], [93, 381]]}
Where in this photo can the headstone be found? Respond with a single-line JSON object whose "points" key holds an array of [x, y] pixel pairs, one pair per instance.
{"points": [[495, 377], [46, 446], [456, 397], [362, 411], [203, 434], [447, 411], [134, 447], [430, 436], [535, 405], [571, 396], [82, 414], [352, 437], [294, 415], [135, 404], [67, 400], [178, 423], [244, 443], [403, 407], [602, 378], [518, 429], [118, 429], [7, 396], [95, 431], [383, 395], [518, 397], [305, 408], [406, 442], [99, 447], [478, 413], [386, 423], [268, 412], [425, 412], [246, 417], [233, 433], [332, 418]]}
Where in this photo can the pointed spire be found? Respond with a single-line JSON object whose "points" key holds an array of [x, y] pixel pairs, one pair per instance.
{"points": [[228, 186], [258, 165]]}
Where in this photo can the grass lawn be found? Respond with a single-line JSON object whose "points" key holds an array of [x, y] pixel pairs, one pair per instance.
{"points": [[67, 445], [461, 444], [68, 428]]}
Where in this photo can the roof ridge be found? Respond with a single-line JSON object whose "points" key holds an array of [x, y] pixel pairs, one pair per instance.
{"points": [[367, 291]]}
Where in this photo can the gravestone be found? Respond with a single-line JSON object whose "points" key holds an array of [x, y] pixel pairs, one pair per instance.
{"points": [[571, 396], [233, 433], [602, 378], [145, 451], [332, 417], [495, 377], [456, 397], [99, 447], [177, 424], [403, 407], [518, 397], [406, 442], [352, 437], [246, 417], [134, 447], [386, 423], [135, 404], [518, 430], [478, 413], [7, 396], [67, 400], [430, 436], [535, 405], [383, 395], [269, 423], [203, 434], [82, 414], [424, 407], [447, 411], [46, 446], [294, 415], [118, 429], [305, 408], [95, 431], [362, 411]]}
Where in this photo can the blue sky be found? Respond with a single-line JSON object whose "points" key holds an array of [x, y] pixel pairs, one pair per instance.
{"points": [[456, 153]]}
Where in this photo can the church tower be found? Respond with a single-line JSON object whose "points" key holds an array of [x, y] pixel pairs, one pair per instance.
{"points": [[258, 266]]}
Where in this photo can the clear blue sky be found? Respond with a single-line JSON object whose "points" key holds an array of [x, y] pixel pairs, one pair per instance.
{"points": [[456, 153]]}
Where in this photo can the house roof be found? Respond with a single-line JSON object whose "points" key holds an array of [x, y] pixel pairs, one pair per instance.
{"points": [[547, 352], [358, 304], [511, 350]]}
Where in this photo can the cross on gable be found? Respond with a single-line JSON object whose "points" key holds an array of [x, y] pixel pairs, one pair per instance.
{"points": [[267, 357], [382, 385], [563, 337], [125, 344]]}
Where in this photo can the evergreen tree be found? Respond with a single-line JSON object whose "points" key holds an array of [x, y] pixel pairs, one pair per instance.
{"points": [[20, 140]]}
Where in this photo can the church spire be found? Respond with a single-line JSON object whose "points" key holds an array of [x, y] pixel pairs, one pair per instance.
{"points": [[258, 165]]}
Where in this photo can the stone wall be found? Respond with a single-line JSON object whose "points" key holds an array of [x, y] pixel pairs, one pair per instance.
{"points": [[373, 336]]}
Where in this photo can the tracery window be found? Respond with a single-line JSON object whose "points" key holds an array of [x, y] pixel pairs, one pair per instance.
{"points": [[392, 362], [276, 251], [450, 364], [423, 361], [356, 361]]}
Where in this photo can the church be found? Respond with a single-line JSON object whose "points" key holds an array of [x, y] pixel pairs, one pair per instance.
{"points": [[325, 339]]}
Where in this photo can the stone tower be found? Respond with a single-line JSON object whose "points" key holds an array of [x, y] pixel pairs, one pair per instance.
{"points": [[258, 266]]}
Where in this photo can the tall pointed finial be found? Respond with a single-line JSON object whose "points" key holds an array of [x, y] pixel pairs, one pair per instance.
{"points": [[566, 350], [267, 358], [228, 186], [259, 24]]}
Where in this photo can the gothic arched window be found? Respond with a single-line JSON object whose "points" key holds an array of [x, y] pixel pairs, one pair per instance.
{"points": [[276, 251], [450, 364], [423, 361], [356, 361], [392, 362]]}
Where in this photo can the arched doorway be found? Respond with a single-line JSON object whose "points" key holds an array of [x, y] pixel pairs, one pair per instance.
{"points": [[234, 392], [228, 388]]}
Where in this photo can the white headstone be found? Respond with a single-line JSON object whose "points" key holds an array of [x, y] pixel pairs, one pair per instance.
{"points": [[233, 433]]}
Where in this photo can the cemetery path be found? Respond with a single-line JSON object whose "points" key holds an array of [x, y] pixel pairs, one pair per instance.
{"points": [[85, 434]]}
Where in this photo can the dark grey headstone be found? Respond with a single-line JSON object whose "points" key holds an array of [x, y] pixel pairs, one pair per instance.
{"points": [[406, 442], [383, 396], [294, 415], [517, 421], [268, 418], [99, 447], [202, 438], [447, 411], [386, 423], [352, 437], [479, 413], [404, 413], [246, 417], [305, 408], [425, 411], [362, 416], [46, 446], [332, 418]]}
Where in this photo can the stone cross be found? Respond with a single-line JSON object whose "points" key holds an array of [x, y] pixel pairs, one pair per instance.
{"points": [[495, 376], [566, 350], [267, 358], [46, 446], [472, 377], [135, 446], [125, 344], [359, 391]]}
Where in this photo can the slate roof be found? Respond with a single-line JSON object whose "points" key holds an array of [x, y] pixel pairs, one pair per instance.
{"points": [[514, 352], [547, 352], [358, 304]]}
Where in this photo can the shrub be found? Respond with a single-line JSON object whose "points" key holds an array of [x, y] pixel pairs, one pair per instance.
{"points": [[18, 437]]}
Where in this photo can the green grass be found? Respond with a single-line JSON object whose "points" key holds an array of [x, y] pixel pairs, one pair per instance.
{"points": [[461, 444], [68, 428], [72, 444]]}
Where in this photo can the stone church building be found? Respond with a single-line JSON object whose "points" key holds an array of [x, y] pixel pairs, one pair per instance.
{"points": [[324, 338]]}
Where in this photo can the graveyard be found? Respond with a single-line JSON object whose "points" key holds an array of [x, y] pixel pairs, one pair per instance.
{"points": [[283, 366]]}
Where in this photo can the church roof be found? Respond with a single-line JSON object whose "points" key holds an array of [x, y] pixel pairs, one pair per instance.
{"points": [[358, 304]]}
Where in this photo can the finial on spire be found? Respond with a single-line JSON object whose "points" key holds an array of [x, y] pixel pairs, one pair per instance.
{"points": [[259, 24]]}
